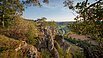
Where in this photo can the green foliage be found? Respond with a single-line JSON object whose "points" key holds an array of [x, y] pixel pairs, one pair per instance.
{"points": [[79, 54], [21, 29], [9, 9], [7, 47], [63, 53], [89, 50], [60, 50], [12, 8], [32, 33], [7, 43], [52, 24], [45, 53], [76, 51], [90, 19], [31, 38]]}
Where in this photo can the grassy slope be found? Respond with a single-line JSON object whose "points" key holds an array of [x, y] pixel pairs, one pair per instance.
{"points": [[7, 47], [22, 29]]}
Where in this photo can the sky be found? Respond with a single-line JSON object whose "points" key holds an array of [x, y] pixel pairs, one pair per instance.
{"points": [[54, 11]]}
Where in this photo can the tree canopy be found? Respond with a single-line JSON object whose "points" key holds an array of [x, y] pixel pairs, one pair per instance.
{"points": [[11, 8], [89, 20]]}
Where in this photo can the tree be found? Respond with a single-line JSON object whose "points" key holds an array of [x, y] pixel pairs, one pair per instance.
{"points": [[12, 8], [90, 18], [9, 9]]}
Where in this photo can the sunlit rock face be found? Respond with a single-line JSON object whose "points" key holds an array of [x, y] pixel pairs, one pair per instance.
{"points": [[17, 49], [28, 50], [48, 39]]}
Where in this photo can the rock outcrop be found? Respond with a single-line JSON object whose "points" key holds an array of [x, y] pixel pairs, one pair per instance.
{"points": [[11, 48], [47, 38], [28, 50]]}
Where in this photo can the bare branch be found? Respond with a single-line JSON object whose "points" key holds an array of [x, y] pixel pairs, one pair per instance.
{"points": [[86, 2], [92, 5]]}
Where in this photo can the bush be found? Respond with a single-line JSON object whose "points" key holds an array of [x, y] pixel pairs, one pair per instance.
{"points": [[45, 53], [7, 47]]}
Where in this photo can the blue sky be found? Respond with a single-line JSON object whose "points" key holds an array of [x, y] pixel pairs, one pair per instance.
{"points": [[54, 11]]}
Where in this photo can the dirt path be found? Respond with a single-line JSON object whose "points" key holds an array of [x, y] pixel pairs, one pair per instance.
{"points": [[80, 37]]}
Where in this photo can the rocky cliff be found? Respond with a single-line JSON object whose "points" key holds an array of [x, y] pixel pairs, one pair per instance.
{"points": [[29, 39], [48, 39]]}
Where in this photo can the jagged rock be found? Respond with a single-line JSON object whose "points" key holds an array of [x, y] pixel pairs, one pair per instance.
{"points": [[55, 53], [28, 50], [47, 38]]}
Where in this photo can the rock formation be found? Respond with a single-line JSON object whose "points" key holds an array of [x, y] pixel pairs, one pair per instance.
{"points": [[28, 50], [47, 38]]}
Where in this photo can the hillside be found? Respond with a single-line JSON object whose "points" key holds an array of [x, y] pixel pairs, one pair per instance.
{"points": [[47, 29], [29, 38]]}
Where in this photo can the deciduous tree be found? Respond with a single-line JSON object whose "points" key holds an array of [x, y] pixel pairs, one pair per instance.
{"points": [[11, 8], [89, 20]]}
